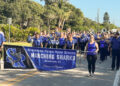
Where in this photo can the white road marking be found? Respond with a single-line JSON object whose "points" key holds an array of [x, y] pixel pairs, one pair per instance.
{"points": [[117, 77]]}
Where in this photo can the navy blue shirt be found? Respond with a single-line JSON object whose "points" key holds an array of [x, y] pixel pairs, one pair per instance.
{"points": [[115, 43], [103, 44]]}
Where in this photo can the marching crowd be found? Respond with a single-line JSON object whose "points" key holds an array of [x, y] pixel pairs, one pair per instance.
{"points": [[103, 43]]}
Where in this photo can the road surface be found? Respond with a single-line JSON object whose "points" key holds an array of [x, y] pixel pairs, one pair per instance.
{"points": [[74, 77]]}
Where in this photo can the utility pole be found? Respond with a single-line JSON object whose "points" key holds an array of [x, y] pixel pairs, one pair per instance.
{"points": [[97, 19]]}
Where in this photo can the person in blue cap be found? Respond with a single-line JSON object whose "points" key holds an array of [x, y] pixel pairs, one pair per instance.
{"points": [[37, 41], [115, 45], [92, 50]]}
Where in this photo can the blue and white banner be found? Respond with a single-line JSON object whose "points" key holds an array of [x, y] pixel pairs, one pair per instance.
{"points": [[51, 59]]}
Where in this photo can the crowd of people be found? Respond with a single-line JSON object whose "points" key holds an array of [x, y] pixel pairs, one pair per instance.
{"points": [[103, 43]]}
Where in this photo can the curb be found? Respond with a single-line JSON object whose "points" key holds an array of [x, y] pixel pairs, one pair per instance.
{"points": [[117, 78]]}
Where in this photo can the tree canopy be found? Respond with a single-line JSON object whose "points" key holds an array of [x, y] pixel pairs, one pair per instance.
{"points": [[55, 13]]}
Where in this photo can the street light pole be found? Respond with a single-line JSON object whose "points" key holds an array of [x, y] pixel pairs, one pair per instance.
{"points": [[9, 33], [9, 21]]}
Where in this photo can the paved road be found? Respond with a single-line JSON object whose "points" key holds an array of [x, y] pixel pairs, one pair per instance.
{"points": [[74, 77]]}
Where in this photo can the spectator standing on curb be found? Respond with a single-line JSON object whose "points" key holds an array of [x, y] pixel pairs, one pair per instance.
{"points": [[2, 40]]}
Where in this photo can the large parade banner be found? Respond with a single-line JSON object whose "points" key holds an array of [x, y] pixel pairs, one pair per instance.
{"points": [[19, 57], [51, 59]]}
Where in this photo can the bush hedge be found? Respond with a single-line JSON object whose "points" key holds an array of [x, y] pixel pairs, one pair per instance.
{"points": [[16, 33]]}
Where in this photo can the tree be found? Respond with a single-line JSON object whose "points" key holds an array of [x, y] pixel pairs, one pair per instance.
{"points": [[106, 18], [49, 16], [106, 21], [60, 13], [59, 2]]}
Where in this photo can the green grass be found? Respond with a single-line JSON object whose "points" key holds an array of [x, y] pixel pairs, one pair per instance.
{"points": [[18, 43]]}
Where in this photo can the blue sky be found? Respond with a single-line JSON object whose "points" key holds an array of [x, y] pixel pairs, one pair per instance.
{"points": [[90, 7]]}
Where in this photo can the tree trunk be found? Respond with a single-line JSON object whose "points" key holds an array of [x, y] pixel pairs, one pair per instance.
{"points": [[63, 24], [49, 24], [28, 22], [59, 23]]}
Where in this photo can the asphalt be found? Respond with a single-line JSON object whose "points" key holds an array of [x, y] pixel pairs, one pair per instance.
{"points": [[74, 77]]}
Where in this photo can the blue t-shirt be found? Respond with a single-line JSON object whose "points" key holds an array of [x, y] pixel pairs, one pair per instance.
{"points": [[69, 44], [2, 39], [49, 41], [75, 40], [37, 42], [57, 34], [45, 39], [61, 41]]}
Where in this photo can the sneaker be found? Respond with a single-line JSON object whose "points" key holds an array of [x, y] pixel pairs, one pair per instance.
{"points": [[92, 75], [89, 75]]}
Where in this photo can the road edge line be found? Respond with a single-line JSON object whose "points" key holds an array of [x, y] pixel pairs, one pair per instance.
{"points": [[117, 77]]}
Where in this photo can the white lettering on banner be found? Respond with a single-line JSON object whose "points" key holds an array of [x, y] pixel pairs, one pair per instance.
{"points": [[32, 55], [65, 57], [51, 51], [35, 50], [67, 52], [59, 52], [38, 55], [52, 57], [46, 51], [42, 56]]}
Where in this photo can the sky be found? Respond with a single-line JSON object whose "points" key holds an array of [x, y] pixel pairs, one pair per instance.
{"points": [[90, 9]]}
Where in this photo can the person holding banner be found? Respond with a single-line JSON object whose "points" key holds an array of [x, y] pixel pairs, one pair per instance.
{"points": [[37, 41], [91, 51]]}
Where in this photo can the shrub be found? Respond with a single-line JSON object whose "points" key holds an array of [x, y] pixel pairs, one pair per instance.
{"points": [[17, 34]]}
